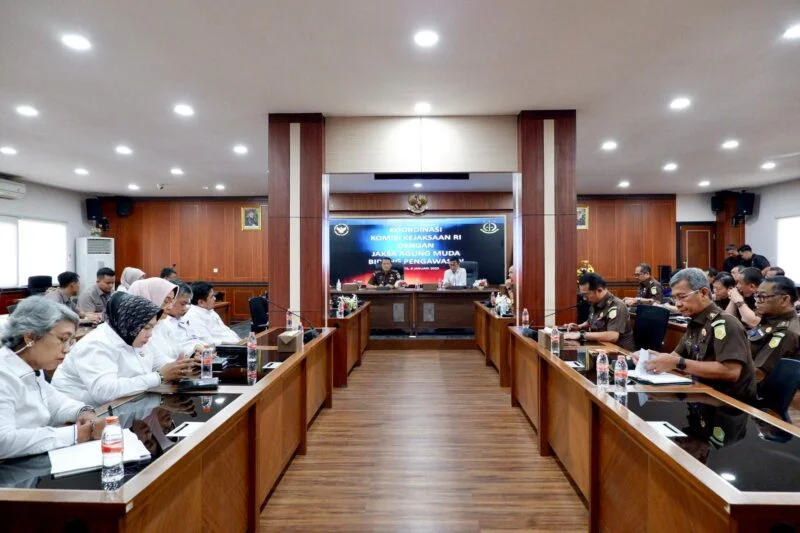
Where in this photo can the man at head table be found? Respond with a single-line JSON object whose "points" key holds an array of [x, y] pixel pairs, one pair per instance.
{"points": [[95, 299], [386, 276], [455, 276], [69, 286], [608, 317], [714, 348], [169, 274]]}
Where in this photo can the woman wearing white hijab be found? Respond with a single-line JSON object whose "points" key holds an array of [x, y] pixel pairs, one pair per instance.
{"points": [[129, 276]]}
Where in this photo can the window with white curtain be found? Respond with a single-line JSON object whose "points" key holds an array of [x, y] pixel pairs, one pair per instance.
{"points": [[42, 249], [8, 264], [788, 251]]}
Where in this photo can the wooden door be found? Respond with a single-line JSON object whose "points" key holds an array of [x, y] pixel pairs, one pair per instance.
{"points": [[696, 244]]}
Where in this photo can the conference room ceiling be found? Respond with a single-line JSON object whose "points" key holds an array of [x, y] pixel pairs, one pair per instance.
{"points": [[618, 63]]}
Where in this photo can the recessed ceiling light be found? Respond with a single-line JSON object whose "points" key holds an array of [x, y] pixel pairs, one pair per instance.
{"points": [[175, 171], [219, 187], [7, 150], [730, 144], [768, 165], [81, 171], [123, 150], [417, 185], [680, 103], [205, 187], [624, 184], [609, 145], [727, 476], [422, 107], [240, 149], [426, 38], [27, 111], [184, 110], [76, 42], [704, 183], [133, 187], [792, 33], [670, 167]]}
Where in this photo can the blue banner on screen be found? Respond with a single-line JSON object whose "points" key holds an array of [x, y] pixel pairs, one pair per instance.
{"points": [[422, 246]]}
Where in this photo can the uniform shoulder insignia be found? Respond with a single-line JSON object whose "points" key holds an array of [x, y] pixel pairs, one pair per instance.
{"points": [[717, 436], [612, 313], [719, 330], [779, 334], [718, 322], [775, 341], [653, 290], [782, 324]]}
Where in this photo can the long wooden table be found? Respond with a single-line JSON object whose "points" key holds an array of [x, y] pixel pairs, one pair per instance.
{"points": [[217, 479], [349, 342], [633, 478], [492, 338]]}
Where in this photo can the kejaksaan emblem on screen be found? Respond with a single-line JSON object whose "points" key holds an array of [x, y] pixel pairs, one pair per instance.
{"points": [[489, 228], [341, 230]]}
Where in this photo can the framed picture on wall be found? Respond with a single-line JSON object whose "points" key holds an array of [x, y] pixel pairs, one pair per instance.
{"points": [[583, 217], [251, 218]]}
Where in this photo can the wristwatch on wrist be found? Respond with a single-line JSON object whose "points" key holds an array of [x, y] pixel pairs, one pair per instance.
{"points": [[582, 336], [739, 303], [681, 365], [161, 376]]}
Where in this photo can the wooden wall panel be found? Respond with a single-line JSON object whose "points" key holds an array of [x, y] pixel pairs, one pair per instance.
{"points": [[566, 234], [437, 201], [625, 231]]}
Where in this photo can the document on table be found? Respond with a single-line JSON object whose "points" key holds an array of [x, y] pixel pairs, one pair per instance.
{"points": [[88, 456], [645, 376]]}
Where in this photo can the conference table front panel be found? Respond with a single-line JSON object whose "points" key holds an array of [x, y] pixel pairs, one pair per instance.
{"points": [[349, 341], [735, 468], [481, 317]]}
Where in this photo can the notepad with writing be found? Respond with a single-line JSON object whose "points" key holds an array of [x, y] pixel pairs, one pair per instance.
{"points": [[660, 379], [87, 456]]}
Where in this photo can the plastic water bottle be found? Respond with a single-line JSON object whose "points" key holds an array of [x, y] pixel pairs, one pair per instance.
{"points": [[300, 335], [338, 285], [621, 376], [207, 362], [252, 359], [205, 403], [340, 309], [526, 320], [289, 321], [555, 342], [602, 369], [112, 445]]}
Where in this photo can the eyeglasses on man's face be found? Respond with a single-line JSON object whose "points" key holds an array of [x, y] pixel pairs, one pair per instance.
{"points": [[682, 297]]}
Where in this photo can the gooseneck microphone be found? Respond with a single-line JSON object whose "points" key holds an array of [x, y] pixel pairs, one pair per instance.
{"points": [[312, 333]]}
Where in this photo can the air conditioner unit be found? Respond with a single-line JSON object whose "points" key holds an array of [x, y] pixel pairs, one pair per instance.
{"points": [[92, 254], [11, 190]]}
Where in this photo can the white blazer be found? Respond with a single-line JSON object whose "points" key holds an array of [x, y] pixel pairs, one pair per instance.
{"points": [[207, 325], [171, 338], [457, 278], [32, 412], [101, 368]]}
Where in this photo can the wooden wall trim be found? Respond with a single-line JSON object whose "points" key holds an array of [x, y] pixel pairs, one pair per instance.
{"points": [[566, 232], [278, 185], [437, 202]]}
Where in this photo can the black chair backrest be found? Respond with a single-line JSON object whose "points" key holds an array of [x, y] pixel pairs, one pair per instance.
{"points": [[258, 313], [650, 327], [39, 284], [779, 387], [472, 271], [399, 267]]}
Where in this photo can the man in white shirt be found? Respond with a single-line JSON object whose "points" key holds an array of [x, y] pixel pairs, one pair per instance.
{"points": [[172, 337], [203, 320], [455, 276]]}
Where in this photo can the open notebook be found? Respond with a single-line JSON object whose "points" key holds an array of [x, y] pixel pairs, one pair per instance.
{"points": [[641, 374], [88, 456]]}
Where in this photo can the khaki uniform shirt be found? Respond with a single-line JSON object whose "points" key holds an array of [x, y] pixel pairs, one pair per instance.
{"points": [[714, 335], [58, 297], [651, 290], [384, 278], [611, 314], [773, 339], [93, 301]]}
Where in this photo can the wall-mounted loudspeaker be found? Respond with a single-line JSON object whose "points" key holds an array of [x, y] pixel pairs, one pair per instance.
{"points": [[717, 204], [124, 207], [744, 203], [94, 209]]}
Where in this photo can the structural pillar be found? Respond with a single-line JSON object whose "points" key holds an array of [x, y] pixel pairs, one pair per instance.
{"points": [[545, 229], [297, 218]]}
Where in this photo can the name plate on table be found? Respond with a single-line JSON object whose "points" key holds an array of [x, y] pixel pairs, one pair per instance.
{"points": [[289, 341], [350, 287]]}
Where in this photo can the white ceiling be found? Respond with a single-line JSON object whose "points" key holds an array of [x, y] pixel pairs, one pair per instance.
{"points": [[618, 63]]}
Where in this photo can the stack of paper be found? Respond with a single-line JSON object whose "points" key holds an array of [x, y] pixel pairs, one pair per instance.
{"points": [[88, 456], [645, 376]]}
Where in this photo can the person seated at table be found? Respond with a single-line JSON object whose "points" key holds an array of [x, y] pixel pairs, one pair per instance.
{"points": [[386, 276], [129, 276], [455, 276], [163, 294], [169, 274], [711, 274], [173, 338], [714, 348], [774, 271], [650, 290], [743, 301], [510, 282], [778, 334], [33, 413], [109, 362], [203, 320], [609, 320], [95, 299], [723, 285], [69, 286]]}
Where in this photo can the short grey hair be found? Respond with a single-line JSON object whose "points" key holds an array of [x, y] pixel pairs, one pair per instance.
{"points": [[184, 289], [697, 278], [36, 316]]}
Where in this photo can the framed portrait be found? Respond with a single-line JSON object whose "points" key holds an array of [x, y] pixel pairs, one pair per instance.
{"points": [[583, 217], [251, 218]]}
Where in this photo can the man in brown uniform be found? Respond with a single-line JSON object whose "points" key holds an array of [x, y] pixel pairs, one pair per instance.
{"points": [[608, 318], [714, 349], [778, 334], [650, 291], [386, 276]]}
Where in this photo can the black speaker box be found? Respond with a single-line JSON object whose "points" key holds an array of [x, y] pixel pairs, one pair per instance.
{"points": [[124, 207], [744, 203], [717, 203], [94, 209]]}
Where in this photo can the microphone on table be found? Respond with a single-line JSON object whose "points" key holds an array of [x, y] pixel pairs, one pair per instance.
{"points": [[533, 334], [312, 333]]}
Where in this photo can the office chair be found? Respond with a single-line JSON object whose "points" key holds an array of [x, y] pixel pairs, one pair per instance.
{"points": [[472, 271], [779, 387], [650, 327], [259, 315], [39, 284], [400, 268]]}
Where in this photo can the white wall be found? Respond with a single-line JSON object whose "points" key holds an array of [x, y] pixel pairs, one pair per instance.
{"points": [[772, 203], [694, 208], [48, 203]]}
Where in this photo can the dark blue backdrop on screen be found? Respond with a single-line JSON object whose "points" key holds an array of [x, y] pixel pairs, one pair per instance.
{"points": [[422, 245]]}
